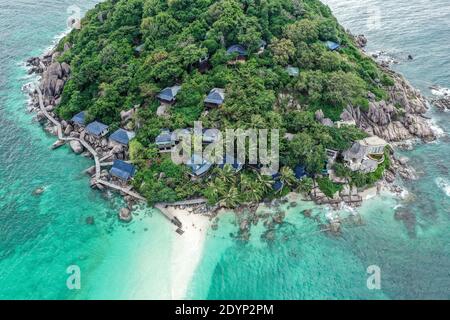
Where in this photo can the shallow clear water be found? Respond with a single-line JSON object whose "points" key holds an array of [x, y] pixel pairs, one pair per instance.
{"points": [[40, 236]]}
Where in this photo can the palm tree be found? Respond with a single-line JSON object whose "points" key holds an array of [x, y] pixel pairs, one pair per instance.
{"points": [[227, 174], [231, 198], [256, 193], [287, 176], [251, 189], [265, 182]]}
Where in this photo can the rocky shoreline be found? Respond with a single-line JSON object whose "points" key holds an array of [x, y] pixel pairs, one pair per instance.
{"points": [[53, 76]]}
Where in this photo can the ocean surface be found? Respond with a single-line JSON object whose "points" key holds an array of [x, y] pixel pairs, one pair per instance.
{"points": [[41, 236]]}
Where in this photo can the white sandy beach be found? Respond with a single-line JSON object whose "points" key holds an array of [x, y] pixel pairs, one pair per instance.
{"points": [[187, 250]]}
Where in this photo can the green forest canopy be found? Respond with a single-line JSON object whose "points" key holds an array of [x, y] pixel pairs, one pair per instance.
{"points": [[109, 75]]}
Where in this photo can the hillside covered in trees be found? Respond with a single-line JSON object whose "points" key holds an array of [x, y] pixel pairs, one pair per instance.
{"points": [[127, 51]]}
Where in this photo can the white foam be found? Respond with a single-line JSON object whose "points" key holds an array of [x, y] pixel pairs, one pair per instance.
{"points": [[438, 131], [404, 194], [444, 185], [440, 91]]}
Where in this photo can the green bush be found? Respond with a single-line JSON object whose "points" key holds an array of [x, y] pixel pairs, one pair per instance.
{"points": [[328, 187]]}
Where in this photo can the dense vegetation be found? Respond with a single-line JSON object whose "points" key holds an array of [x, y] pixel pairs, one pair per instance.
{"points": [[108, 76]]}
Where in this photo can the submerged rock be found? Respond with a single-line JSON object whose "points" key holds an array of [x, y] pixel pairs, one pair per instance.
{"points": [[125, 215], [90, 220], [307, 213], [38, 191]]}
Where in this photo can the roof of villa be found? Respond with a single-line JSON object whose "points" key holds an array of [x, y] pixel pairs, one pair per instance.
{"points": [[237, 48], [164, 137], [216, 96], [233, 162], [300, 171], [199, 165], [96, 128], [79, 118], [169, 93], [122, 170], [122, 136], [332, 45], [293, 71]]}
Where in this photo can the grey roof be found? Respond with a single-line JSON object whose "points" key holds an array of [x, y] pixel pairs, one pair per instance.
{"points": [[355, 152], [169, 94], [122, 170], [233, 162], [164, 138], [360, 148], [79, 118], [369, 165], [216, 96], [139, 48], [198, 165], [96, 128], [332, 45], [210, 135], [293, 71], [237, 48], [122, 136]]}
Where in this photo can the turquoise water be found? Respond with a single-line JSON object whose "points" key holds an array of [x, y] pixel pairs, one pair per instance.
{"points": [[40, 236]]}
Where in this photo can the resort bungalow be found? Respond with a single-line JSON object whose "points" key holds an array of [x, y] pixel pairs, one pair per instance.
{"points": [[139, 49], [78, 119], [300, 171], [198, 165], [215, 98], [164, 141], [233, 162], [365, 155], [238, 52], [97, 129], [168, 95], [332, 46], [181, 134], [210, 135], [261, 47], [121, 137], [293, 71], [277, 185], [122, 170]]}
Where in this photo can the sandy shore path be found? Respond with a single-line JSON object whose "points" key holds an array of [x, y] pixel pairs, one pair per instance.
{"points": [[187, 250]]}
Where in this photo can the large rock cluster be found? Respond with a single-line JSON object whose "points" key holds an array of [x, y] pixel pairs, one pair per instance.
{"points": [[399, 118]]}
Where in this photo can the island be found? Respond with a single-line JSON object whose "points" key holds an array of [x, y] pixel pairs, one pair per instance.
{"points": [[136, 71]]}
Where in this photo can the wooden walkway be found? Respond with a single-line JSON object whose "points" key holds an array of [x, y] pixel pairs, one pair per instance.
{"points": [[192, 202], [173, 219], [89, 148], [162, 207]]}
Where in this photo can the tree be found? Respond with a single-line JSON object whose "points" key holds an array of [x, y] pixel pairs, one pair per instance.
{"points": [[306, 185], [283, 51], [305, 30], [287, 176]]}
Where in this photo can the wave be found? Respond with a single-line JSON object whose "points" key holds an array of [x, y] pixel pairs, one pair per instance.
{"points": [[438, 131], [444, 185], [439, 91]]}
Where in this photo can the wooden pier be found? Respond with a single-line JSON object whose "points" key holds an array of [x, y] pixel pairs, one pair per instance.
{"points": [[62, 139]]}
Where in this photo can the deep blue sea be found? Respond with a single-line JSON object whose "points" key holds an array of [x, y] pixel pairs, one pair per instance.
{"points": [[41, 236]]}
